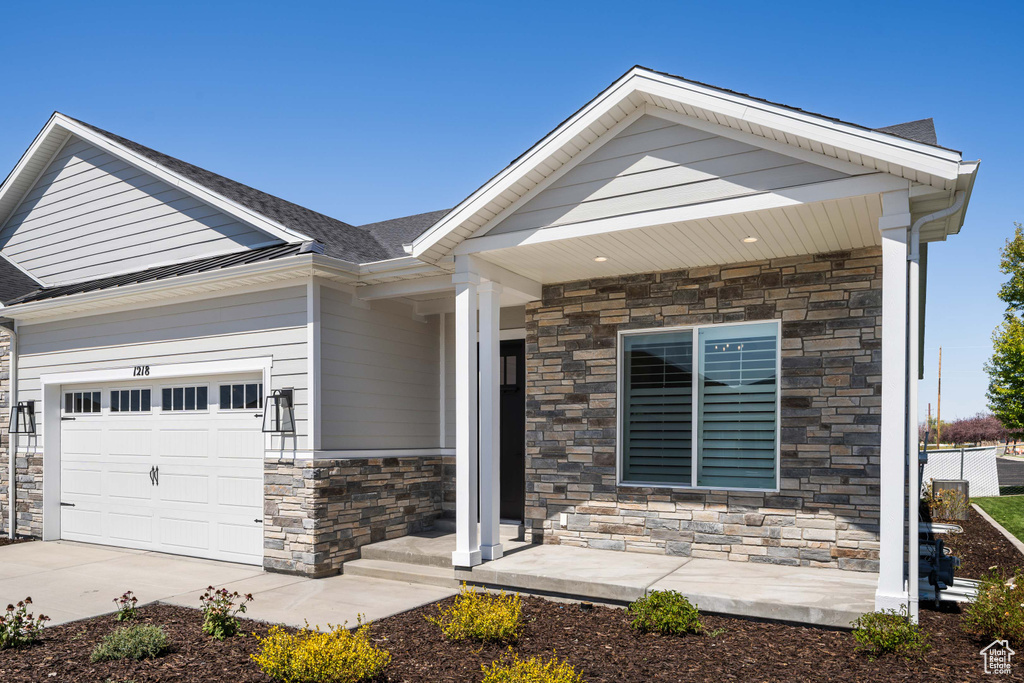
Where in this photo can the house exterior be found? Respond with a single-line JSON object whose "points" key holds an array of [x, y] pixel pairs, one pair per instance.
{"points": [[687, 321]]}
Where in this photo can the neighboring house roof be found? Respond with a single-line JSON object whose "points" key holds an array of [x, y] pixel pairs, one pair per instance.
{"points": [[397, 232], [922, 130], [341, 240], [270, 253], [13, 282]]}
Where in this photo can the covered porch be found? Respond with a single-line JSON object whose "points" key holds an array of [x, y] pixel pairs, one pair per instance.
{"points": [[825, 597]]}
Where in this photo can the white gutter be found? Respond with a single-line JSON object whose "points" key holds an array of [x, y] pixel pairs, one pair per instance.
{"points": [[12, 449], [913, 347]]}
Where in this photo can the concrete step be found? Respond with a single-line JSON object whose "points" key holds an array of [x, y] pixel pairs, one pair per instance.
{"points": [[401, 571], [421, 550]]}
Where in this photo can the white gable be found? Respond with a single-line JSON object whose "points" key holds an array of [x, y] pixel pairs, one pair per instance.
{"points": [[91, 214], [657, 164]]}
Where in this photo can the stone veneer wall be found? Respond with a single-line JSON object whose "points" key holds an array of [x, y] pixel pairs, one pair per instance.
{"points": [[317, 514], [826, 513]]}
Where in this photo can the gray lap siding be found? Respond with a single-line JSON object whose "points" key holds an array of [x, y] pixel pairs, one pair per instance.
{"points": [[826, 512]]}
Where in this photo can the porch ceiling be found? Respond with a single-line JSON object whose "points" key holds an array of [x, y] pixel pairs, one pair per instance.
{"points": [[833, 225]]}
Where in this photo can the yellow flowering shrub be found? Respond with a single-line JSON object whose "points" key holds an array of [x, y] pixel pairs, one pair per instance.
{"points": [[532, 670], [314, 656], [477, 615]]}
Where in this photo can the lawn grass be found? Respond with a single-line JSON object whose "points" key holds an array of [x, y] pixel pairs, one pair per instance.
{"points": [[1007, 510]]}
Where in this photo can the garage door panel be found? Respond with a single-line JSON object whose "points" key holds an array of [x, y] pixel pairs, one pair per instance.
{"points": [[81, 441], [236, 444], [129, 443], [184, 443], [128, 484], [84, 524], [127, 525], [207, 500], [240, 491], [183, 488], [79, 481], [237, 539], [184, 533]]}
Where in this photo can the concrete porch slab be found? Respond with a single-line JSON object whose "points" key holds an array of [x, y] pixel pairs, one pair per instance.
{"points": [[598, 574], [826, 597]]}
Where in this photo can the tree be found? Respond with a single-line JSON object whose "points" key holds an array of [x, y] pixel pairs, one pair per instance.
{"points": [[1006, 375], [978, 429], [1006, 367], [1012, 264]]}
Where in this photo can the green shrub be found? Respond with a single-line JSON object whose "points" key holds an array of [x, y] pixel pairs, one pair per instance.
{"points": [[220, 611], [889, 631], [335, 656], [665, 612], [18, 627], [532, 670], [131, 642], [997, 612], [477, 615]]}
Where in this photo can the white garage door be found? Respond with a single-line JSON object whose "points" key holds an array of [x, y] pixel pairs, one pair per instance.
{"points": [[172, 466]]}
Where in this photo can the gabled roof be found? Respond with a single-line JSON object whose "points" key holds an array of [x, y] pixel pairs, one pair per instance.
{"points": [[397, 232], [826, 140], [14, 282], [922, 130], [278, 217], [204, 265]]}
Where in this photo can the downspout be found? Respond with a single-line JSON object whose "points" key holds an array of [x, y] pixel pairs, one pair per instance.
{"points": [[913, 456], [12, 447]]}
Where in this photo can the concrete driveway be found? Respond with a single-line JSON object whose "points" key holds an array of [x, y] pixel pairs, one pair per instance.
{"points": [[69, 581]]}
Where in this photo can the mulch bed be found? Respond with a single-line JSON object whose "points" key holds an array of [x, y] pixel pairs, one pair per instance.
{"points": [[981, 547], [598, 641], [4, 540]]}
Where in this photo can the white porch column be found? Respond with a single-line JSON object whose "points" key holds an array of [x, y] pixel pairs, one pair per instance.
{"points": [[892, 592], [467, 543], [490, 421]]}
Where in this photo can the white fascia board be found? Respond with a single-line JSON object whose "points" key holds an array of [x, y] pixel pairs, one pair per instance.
{"points": [[925, 158], [298, 266], [198, 191], [33, 150], [872, 183], [401, 288], [917, 155], [500, 182]]}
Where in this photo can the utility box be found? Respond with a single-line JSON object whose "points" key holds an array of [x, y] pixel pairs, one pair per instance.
{"points": [[961, 489]]}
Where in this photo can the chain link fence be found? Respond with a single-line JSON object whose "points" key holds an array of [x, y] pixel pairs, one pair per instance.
{"points": [[977, 465]]}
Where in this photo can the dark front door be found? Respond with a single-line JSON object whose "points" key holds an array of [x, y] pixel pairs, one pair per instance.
{"points": [[512, 375]]}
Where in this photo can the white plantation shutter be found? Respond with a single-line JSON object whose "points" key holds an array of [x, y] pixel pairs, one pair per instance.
{"points": [[737, 415], [657, 434]]}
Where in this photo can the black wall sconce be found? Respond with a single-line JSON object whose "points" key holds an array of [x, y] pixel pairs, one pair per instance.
{"points": [[23, 418], [278, 413]]}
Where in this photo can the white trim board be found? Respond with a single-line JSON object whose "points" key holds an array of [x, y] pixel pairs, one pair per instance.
{"points": [[168, 371]]}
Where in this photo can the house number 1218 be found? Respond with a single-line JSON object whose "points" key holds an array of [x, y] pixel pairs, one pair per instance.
{"points": [[141, 371]]}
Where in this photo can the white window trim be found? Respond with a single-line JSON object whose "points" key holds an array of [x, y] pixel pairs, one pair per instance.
{"points": [[619, 416], [152, 396], [262, 399], [81, 390], [185, 385]]}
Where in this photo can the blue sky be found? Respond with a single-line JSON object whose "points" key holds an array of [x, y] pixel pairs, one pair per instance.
{"points": [[374, 110]]}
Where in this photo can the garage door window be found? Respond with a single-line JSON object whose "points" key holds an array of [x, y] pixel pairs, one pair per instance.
{"points": [[130, 400], [81, 402], [241, 396], [182, 399]]}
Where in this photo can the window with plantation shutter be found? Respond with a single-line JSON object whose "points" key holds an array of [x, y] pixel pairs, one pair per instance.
{"points": [[657, 430], [699, 406], [737, 406]]}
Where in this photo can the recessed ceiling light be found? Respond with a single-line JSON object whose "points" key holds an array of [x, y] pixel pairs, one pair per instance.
{"points": [[750, 240], [600, 259]]}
